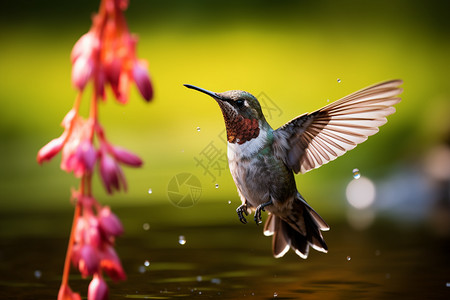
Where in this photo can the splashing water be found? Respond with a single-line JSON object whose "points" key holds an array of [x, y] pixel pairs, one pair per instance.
{"points": [[348, 258], [217, 185], [356, 173], [339, 80], [150, 191], [146, 263], [181, 240], [198, 129]]}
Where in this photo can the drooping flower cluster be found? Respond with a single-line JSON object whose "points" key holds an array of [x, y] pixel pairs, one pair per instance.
{"points": [[80, 156], [105, 56]]}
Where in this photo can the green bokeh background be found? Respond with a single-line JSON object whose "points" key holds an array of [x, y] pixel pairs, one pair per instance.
{"points": [[293, 51]]}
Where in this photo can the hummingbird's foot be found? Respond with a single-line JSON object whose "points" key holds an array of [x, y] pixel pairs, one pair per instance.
{"points": [[258, 210], [241, 210]]}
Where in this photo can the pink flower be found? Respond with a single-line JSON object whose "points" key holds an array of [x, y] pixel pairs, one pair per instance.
{"points": [[88, 260], [109, 223], [107, 54], [54, 146], [51, 149], [111, 173], [142, 79], [110, 263], [79, 154], [83, 58], [80, 158], [82, 70], [85, 46], [92, 234], [98, 290], [124, 156]]}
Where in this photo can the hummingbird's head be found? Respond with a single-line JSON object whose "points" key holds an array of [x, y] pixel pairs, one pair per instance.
{"points": [[241, 111]]}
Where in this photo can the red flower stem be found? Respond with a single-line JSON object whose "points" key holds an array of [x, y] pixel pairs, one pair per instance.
{"points": [[76, 215]]}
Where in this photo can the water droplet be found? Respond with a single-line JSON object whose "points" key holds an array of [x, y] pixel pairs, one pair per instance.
{"points": [[37, 274], [198, 129], [229, 201], [356, 173], [150, 191], [339, 80], [181, 240], [348, 258], [447, 284], [199, 293], [217, 185], [199, 278], [146, 226], [216, 281], [142, 269], [146, 263], [275, 294], [328, 100]]}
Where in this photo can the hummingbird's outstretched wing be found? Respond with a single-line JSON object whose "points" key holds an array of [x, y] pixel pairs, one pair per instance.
{"points": [[311, 140]]}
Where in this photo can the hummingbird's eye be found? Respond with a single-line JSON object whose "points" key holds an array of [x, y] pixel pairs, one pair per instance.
{"points": [[239, 103]]}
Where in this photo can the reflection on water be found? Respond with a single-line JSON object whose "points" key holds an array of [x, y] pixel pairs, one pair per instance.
{"points": [[230, 261]]}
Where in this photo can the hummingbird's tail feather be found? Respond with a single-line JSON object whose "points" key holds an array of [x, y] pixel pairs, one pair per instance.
{"points": [[298, 236]]}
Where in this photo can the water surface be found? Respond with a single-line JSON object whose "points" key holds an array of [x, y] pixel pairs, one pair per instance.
{"points": [[229, 261]]}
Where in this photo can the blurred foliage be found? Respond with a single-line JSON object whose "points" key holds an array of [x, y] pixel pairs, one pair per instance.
{"points": [[293, 51]]}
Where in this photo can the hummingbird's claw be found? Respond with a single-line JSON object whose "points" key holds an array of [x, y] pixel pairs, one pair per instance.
{"points": [[258, 218], [241, 210], [258, 210]]}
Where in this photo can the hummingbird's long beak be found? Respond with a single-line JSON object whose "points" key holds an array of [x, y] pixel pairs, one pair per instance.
{"points": [[212, 94]]}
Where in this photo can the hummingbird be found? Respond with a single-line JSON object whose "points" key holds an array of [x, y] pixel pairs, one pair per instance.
{"points": [[263, 161]]}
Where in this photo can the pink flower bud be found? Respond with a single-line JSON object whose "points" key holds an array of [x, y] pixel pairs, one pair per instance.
{"points": [[109, 222], [110, 263], [75, 258], [80, 230], [82, 70], [126, 157], [93, 236], [112, 71], [51, 149], [87, 154], [68, 118], [111, 173], [98, 290], [142, 79], [85, 45], [89, 261], [65, 293]]}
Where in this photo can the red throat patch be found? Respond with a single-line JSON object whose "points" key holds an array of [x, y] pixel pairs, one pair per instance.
{"points": [[241, 130]]}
